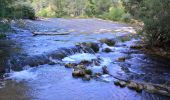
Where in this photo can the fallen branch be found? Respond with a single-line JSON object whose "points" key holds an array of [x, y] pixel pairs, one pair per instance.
{"points": [[50, 33]]}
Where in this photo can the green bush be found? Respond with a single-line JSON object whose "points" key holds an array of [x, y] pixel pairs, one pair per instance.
{"points": [[115, 13], [23, 11], [156, 17]]}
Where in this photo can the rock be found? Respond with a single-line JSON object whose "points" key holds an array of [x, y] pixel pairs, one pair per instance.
{"points": [[79, 67], [150, 88], [139, 88], [87, 78], [116, 83], [120, 83], [109, 42], [85, 62], [136, 46], [107, 50], [163, 92], [70, 65], [122, 59], [88, 71], [51, 63], [78, 73], [93, 46], [105, 71], [132, 85]]}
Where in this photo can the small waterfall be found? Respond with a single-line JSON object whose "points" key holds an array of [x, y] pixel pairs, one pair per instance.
{"points": [[17, 63]]}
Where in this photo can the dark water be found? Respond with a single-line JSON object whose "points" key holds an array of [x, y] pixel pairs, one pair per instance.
{"points": [[34, 78]]}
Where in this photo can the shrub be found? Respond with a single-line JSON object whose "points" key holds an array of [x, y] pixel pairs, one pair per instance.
{"points": [[23, 11], [156, 17], [115, 13]]}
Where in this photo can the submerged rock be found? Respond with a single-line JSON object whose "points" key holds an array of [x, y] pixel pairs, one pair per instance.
{"points": [[122, 59], [109, 42], [105, 71], [107, 50]]}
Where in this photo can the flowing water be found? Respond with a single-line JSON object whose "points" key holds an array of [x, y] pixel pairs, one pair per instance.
{"points": [[37, 70]]}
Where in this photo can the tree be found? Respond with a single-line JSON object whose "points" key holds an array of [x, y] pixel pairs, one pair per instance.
{"points": [[156, 17]]}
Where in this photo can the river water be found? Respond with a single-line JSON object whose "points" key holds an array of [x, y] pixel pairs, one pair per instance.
{"points": [[33, 78]]}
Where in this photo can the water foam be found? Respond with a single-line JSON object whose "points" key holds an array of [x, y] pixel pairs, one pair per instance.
{"points": [[27, 74], [79, 57]]}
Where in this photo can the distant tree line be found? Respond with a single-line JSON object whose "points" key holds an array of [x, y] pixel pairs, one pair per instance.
{"points": [[154, 13]]}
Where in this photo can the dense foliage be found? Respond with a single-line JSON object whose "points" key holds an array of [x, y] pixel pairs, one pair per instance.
{"points": [[107, 9], [156, 16], [15, 9]]}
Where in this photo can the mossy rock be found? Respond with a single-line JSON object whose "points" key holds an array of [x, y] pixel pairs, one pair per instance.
{"points": [[93, 46], [109, 42], [88, 71]]}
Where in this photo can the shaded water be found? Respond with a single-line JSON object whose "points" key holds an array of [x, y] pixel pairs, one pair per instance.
{"points": [[39, 71]]}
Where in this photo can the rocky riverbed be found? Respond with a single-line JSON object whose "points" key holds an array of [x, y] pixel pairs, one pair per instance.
{"points": [[91, 59]]}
